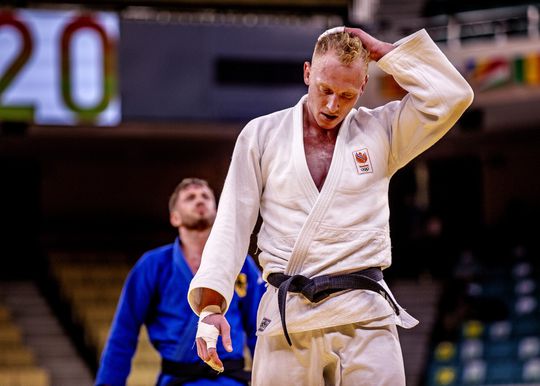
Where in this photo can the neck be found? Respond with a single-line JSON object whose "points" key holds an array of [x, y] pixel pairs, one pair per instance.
{"points": [[193, 242], [312, 129]]}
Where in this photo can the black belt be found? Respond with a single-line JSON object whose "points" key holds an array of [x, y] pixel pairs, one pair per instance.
{"points": [[320, 287], [187, 372]]}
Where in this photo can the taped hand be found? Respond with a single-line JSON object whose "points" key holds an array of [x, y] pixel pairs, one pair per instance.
{"points": [[212, 323]]}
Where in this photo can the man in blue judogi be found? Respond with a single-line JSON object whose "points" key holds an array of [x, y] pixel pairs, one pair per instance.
{"points": [[155, 295]]}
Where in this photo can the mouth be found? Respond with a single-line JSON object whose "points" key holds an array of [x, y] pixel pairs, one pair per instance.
{"points": [[329, 117]]}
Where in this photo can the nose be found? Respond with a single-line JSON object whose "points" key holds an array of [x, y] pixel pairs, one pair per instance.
{"points": [[332, 104]]}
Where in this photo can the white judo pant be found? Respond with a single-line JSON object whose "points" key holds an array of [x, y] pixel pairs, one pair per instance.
{"points": [[349, 355]]}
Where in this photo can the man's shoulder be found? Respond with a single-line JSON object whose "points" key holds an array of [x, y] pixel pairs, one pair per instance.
{"points": [[157, 254], [380, 113], [269, 121]]}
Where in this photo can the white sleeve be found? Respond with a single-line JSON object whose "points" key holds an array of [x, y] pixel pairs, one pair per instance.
{"points": [[437, 96], [238, 209]]}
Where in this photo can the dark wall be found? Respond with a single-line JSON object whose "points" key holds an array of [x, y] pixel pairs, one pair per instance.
{"points": [[212, 71], [86, 191]]}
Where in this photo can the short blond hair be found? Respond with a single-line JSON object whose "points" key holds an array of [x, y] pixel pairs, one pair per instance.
{"points": [[183, 185], [347, 47]]}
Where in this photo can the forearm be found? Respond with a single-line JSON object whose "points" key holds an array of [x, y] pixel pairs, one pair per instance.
{"points": [[437, 96], [226, 248]]}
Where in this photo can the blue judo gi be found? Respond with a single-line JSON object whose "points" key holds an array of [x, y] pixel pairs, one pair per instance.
{"points": [[155, 294]]}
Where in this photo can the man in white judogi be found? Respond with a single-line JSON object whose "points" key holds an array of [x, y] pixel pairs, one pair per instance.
{"points": [[319, 173]]}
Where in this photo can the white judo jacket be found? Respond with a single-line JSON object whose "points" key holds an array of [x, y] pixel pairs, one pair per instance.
{"points": [[344, 227]]}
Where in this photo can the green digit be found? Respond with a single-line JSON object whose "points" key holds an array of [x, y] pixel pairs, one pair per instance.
{"points": [[19, 113], [87, 114]]}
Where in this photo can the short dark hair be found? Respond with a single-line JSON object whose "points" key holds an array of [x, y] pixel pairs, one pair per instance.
{"points": [[183, 185]]}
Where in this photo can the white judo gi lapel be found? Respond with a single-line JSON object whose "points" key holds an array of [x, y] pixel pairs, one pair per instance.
{"points": [[320, 201]]}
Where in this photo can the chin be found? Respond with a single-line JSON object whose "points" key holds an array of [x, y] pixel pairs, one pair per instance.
{"points": [[328, 125]]}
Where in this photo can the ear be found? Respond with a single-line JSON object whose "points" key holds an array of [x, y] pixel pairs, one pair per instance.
{"points": [[365, 83], [307, 71], [175, 219]]}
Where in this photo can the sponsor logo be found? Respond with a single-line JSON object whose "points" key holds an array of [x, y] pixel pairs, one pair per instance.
{"points": [[362, 161], [264, 323]]}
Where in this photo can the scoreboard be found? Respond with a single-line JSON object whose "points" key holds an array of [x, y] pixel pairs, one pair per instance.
{"points": [[59, 67]]}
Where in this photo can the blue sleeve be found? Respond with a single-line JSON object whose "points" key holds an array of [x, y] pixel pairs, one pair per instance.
{"points": [[131, 313], [250, 303]]}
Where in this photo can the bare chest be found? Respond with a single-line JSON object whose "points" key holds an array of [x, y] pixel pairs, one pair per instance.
{"points": [[319, 158]]}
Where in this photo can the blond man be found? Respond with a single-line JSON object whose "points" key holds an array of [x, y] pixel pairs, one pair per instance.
{"points": [[318, 173]]}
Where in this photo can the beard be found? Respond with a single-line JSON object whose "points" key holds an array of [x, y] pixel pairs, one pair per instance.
{"points": [[198, 224]]}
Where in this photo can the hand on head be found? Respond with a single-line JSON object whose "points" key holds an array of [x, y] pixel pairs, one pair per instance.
{"points": [[376, 48]]}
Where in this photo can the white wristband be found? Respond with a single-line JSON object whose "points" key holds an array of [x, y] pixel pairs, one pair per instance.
{"points": [[331, 31], [209, 310]]}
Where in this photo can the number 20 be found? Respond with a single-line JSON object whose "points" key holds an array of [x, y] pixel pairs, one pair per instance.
{"points": [[86, 114]]}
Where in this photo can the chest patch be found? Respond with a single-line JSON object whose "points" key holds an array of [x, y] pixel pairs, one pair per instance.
{"points": [[362, 161]]}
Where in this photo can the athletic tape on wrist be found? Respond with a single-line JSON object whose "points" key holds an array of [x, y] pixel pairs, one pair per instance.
{"points": [[208, 332], [209, 310], [331, 31]]}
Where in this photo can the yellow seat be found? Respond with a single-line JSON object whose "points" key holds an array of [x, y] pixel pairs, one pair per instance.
{"points": [[95, 288], [98, 336], [16, 356], [93, 313], [146, 355], [92, 293], [143, 375], [27, 376], [5, 314], [10, 333]]}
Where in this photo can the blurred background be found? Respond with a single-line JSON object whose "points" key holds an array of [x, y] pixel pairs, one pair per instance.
{"points": [[106, 105]]}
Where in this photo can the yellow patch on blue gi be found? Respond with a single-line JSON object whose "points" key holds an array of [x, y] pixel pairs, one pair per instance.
{"points": [[240, 286]]}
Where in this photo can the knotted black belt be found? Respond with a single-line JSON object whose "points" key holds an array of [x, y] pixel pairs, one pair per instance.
{"points": [[320, 287], [188, 372]]}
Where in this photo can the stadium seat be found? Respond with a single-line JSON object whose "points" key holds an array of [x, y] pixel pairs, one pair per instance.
{"points": [[525, 305], [474, 372], [531, 371], [473, 329], [526, 286], [445, 352], [5, 314], [444, 376], [143, 375], [500, 330], [471, 349], [529, 347], [522, 269], [28, 376], [16, 356], [10, 333]]}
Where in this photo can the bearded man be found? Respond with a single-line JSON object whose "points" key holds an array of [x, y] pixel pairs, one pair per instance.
{"points": [[155, 295]]}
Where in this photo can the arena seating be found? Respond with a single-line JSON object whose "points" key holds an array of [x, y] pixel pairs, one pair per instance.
{"points": [[90, 286], [499, 351], [18, 365]]}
